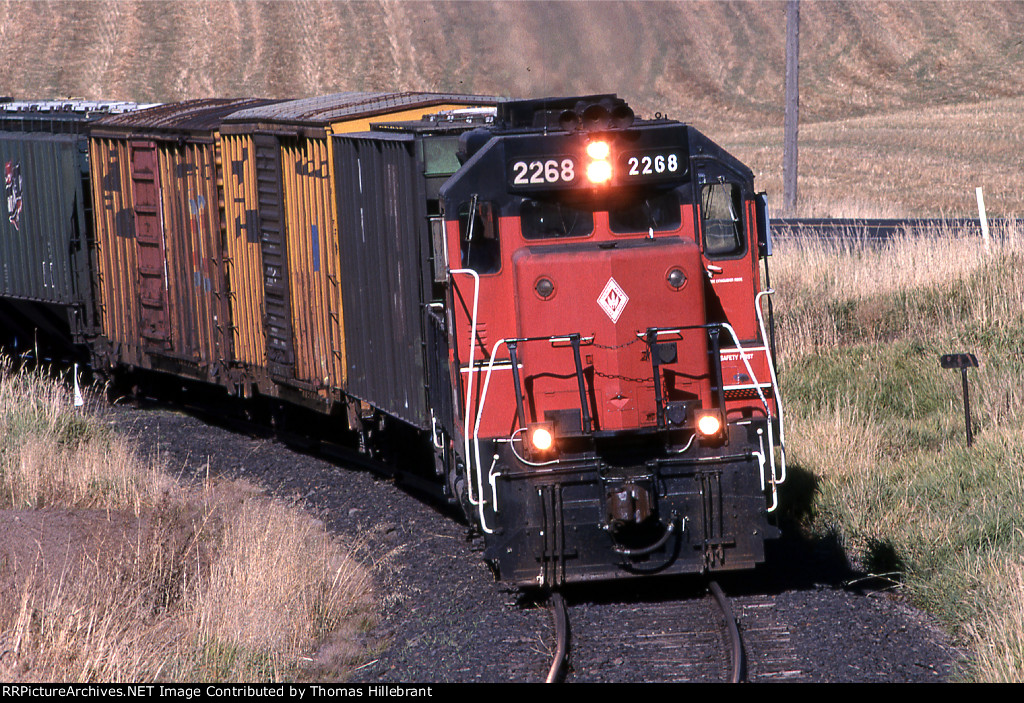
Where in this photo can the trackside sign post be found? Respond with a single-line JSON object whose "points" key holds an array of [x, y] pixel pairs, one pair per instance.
{"points": [[962, 362]]}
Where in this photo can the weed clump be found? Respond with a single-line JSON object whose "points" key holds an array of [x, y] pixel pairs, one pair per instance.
{"points": [[110, 570]]}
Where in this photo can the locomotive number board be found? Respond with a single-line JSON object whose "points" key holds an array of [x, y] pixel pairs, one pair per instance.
{"points": [[558, 171], [570, 171], [651, 164]]}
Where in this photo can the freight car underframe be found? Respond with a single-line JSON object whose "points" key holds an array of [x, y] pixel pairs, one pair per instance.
{"points": [[630, 503], [44, 330]]}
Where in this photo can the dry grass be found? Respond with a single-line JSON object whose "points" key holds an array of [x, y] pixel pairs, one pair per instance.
{"points": [[838, 290], [1000, 650], [304, 599], [111, 571]]}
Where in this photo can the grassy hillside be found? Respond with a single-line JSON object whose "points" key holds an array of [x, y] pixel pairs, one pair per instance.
{"points": [[719, 65]]}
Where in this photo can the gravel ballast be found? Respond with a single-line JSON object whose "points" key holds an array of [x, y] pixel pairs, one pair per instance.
{"points": [[443, 618]]}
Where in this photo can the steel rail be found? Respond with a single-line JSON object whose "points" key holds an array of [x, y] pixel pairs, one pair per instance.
{"points": [[560, 614], [739, 663]]}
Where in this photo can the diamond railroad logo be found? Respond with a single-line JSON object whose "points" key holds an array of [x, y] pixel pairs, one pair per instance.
{"points": [[613, 300]]}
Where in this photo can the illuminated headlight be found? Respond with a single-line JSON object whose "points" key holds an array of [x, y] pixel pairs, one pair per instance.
{"points": [[709, 424], [541, 437], [599, 172], [598, 151]]}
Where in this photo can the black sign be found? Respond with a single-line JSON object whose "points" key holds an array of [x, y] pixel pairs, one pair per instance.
{"points": [[958, 361]]}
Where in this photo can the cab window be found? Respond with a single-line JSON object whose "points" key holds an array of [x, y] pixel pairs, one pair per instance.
{"points": [[655, 213], [478, 233], [721, 208], [551, 219]]}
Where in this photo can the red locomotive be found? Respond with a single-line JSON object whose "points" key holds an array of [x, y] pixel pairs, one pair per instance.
{"points": [[565, 301], [616, 406]]}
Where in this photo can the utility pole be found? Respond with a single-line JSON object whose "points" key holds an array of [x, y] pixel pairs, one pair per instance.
{"points": [[792, 125]]}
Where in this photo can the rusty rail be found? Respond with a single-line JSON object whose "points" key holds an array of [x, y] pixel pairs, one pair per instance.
{"points": [[739, 663], [560, 614]]}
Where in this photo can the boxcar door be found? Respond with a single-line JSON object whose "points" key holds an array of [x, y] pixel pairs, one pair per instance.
{"points": [[274, 248], [149, 238]]}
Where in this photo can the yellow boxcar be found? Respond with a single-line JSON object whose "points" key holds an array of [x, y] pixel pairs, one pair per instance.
{"points": [[158, 198], [282, 238], [117, 272]]}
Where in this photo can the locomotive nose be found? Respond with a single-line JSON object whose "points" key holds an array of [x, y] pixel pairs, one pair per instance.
{"points": [[610, 297]]}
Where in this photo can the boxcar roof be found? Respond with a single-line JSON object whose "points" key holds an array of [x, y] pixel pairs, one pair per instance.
{"points": [[58, 116], [325, 110], [203, 115], [71, 106]]}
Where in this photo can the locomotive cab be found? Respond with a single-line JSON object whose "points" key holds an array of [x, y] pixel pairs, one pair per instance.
{"points": [[615, 404]]}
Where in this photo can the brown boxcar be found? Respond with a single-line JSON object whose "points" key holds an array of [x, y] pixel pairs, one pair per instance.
{"points": [[282, 237], [159, 240]]}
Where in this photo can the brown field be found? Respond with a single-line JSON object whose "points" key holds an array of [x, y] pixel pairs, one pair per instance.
{"points": [[906, 107]]}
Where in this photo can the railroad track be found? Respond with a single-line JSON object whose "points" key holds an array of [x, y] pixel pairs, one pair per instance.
{"points": [[689, 639], [454, 624], [882, 229], [732, 630]]}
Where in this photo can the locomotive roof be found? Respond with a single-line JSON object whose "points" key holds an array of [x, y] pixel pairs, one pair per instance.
{"points": [[325, 110], [200, 115]]}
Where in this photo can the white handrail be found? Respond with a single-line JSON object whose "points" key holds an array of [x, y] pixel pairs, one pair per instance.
{"points": [[469, 381], [476, 438], [775, 480], [775, 387]]}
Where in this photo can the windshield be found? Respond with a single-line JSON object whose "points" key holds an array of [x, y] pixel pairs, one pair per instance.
{"points": [[723, 230], [548, 219], [655, 213]]}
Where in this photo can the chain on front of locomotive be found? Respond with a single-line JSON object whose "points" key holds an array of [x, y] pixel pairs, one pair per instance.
{"points": [[615, 405]]}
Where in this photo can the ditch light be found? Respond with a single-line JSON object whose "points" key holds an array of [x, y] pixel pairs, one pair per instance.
{"points": [[709, 424], [541, 437]]}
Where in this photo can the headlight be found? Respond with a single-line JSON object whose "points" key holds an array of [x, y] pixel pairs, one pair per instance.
{"points": [[541, 437], [676, 278], [598, 150], [599, 170], [709, 424]]}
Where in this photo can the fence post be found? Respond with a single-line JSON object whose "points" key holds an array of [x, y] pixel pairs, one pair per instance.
{"points": [[982, 217]]}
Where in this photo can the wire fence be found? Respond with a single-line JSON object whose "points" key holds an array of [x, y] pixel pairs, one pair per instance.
{"points": [[882, 230]]}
